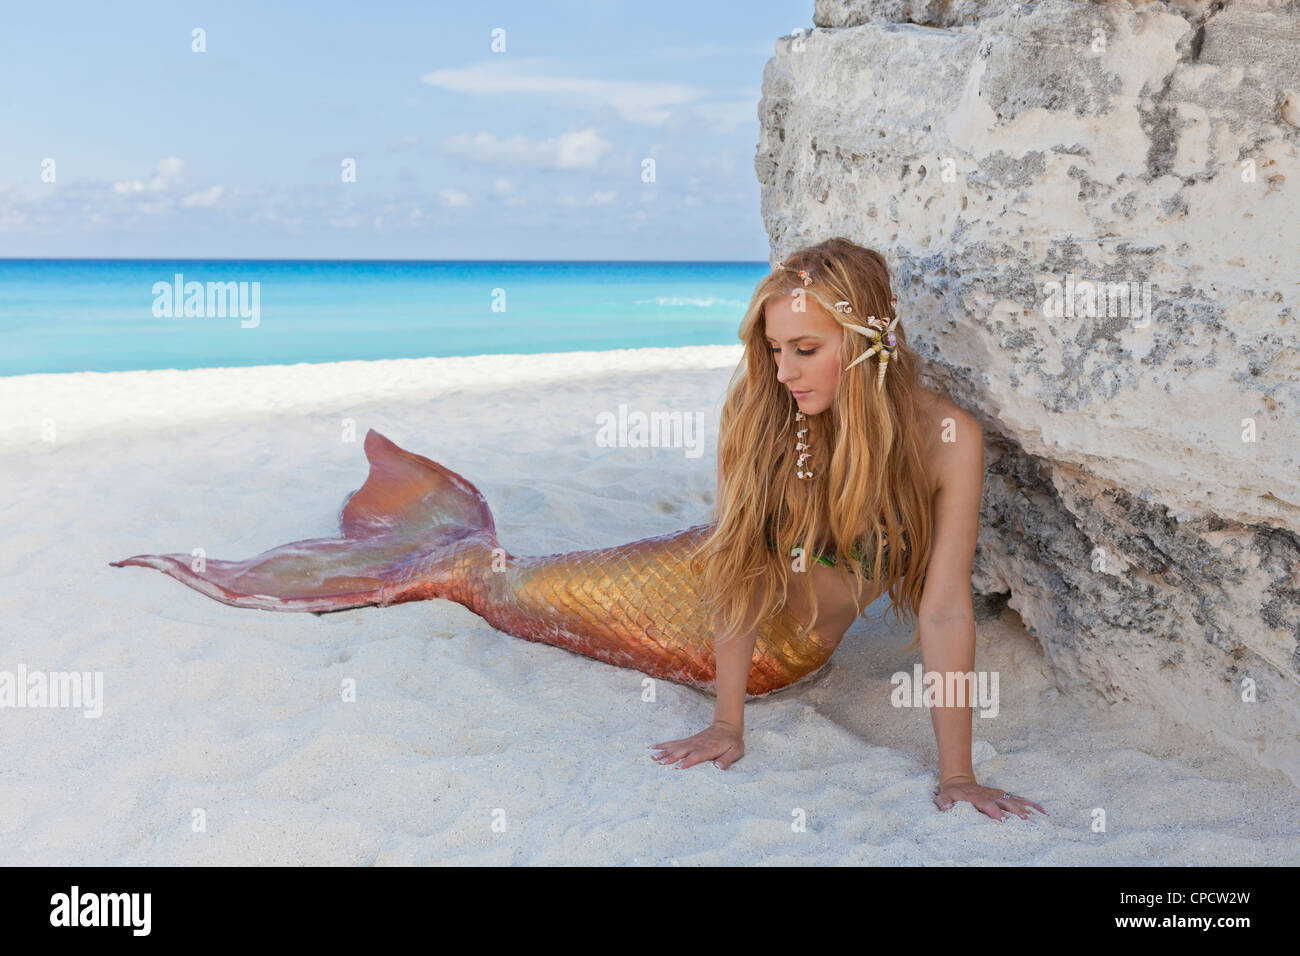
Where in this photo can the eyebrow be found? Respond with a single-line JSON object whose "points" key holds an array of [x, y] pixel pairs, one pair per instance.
{"points": [[798, 338]]}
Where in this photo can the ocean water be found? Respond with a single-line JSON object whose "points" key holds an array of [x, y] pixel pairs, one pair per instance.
{"points": [[103, 315]]}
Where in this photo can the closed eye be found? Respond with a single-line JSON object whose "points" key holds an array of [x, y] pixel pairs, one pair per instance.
{"points": [[774, 350]]}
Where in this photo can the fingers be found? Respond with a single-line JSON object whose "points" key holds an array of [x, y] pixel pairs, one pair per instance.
{"points": [[696, 756], [669, 748], [1009, 806], [674, 755], [726, 759], [701, 753], [671, 754], [675, 750], [1017, 805], [689, 751], [990, 808], [986, 806], [997, 807]]}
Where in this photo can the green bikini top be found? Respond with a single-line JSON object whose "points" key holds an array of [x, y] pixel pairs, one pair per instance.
{"points": [[824, 557]]}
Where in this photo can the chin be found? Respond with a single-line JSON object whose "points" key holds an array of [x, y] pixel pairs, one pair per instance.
{"points": [[813, 405]]}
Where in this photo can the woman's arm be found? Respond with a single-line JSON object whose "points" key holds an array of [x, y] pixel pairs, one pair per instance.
{"points": [[735, 656], [723, 742], [946, 619]]}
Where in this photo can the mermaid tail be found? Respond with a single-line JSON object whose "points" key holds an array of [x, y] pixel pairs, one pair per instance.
{"points": [[416, 530]]}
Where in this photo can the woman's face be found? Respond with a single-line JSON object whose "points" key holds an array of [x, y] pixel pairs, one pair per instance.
{"points": [[806, 349]]}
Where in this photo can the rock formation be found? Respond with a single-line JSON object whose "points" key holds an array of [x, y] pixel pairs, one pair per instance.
{"points": [[1142, 495]]}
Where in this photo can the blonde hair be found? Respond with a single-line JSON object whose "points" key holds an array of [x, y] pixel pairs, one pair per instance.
{"points": [[870, 464]]}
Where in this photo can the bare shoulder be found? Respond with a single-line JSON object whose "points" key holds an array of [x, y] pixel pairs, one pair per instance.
{"points": [[954, 442]]}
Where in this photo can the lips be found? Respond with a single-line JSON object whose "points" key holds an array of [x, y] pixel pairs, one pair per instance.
{"points": [[800, 394]]}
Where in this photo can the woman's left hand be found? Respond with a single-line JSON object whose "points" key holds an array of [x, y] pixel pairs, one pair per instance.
{"points": [[988, 800]]}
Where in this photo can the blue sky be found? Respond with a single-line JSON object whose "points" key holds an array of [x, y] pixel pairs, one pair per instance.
{"points": [[461, 152]]}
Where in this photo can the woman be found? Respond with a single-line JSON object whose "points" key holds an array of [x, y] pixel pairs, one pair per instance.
{"points": [[825, 437], [817, 432]]}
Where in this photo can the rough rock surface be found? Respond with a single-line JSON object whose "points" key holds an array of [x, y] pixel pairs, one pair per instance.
{"points": [[1142, 496]]}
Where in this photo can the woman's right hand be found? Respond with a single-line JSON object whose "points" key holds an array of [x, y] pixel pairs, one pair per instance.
{"points": [[723, 743]]}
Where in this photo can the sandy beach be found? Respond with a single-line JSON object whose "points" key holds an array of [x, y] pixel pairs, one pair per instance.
{"points": [[464, 744]]}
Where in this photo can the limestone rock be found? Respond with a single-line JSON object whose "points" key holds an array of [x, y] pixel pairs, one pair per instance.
{"points": [[1142, 496]]}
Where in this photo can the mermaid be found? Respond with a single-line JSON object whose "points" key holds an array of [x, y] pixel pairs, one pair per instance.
{"points": [[836, 483]]}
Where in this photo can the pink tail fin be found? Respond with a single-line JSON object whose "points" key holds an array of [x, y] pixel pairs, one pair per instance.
{"points": [[408, 507]]}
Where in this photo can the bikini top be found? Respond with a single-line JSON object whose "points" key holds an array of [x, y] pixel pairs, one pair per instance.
{"points": [[826, 557]]}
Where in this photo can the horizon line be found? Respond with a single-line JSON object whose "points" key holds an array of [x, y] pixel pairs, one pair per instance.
{"points": [[337, 259]]}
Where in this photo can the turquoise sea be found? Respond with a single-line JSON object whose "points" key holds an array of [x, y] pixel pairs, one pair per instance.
{"points": [[103, 315]]}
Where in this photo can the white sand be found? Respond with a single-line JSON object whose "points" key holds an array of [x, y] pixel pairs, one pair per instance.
{"points": [[237, 711]]}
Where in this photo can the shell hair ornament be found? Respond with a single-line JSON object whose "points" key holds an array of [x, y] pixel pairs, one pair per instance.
{"points": [[883, 340], [801, 436], [801, 445]]}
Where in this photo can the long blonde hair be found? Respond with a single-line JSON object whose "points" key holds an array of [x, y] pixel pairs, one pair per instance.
{"points": [[870, 462]]}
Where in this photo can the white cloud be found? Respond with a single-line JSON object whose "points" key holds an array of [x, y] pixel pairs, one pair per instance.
{"points": [[730, 115], [709, 50], [454, 197], [290, 224], [165, 173], [577, 149], [634, 101], [603, 198], [204, 197], [505, 190]]}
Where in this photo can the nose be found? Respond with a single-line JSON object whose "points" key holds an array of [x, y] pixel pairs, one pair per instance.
{"points": [[784, 367]]}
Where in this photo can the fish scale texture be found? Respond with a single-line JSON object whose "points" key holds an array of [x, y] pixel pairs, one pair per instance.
{"points": [[417, 530], [639, 605]]}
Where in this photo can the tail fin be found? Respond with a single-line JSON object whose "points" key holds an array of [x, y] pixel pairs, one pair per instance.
{"points": [[408, 507]]}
